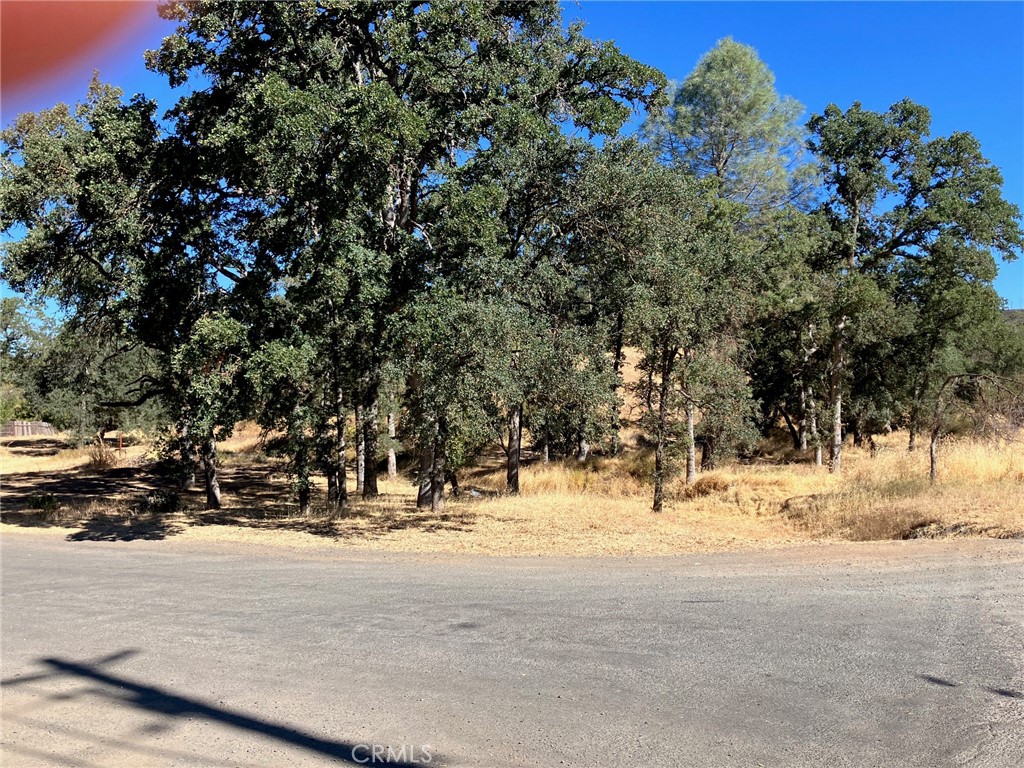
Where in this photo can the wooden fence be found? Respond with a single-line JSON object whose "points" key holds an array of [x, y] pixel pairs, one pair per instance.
{"points": [[25, 428]]}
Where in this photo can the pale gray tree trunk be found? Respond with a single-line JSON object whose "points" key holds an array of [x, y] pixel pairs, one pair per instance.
{"points": [[213, 500], [582, 447], [392, 458], [515, 442]]}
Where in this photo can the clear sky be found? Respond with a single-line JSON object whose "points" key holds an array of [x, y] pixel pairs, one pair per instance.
{"points": [[964, 60]]}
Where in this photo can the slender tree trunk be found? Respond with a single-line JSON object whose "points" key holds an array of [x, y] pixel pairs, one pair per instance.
{"points": [[802, 434], [813, 426], [426, 462], [794, 434], [912, 442], [515, 442], [210, 470], [617, 358], [332, 488], [933, 456], [858, 433], [691, 445], [360, 451], [835, 454], [370, 442], [392, 458], [661, 433], [453, 481]]}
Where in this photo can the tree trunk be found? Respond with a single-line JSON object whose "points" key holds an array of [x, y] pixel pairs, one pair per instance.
{"points": [[582, 447], [360, 451], [392, 458], [426, 462], [933, 456], [188, 457], [515, 442], [339, 449], [619, 335], [813, 426], [802, 434], [707, 454], [370, 442], [858, 433], [210, 471], [912, 442], [835, 453], [437, 478], [661, 433], [794, 433], [453, 481], [691, 445]]}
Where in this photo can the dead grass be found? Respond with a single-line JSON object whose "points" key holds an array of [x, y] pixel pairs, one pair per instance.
{"points": [[600, 507]]}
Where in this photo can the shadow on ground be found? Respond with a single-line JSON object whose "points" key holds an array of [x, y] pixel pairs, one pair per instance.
{"points": [[114, 505], [36, 446], [170, 708]]}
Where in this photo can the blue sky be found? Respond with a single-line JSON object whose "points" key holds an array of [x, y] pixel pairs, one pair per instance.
{"points": [[965, 61]]}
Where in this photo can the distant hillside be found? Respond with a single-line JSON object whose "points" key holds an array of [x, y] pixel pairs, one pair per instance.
{"points": [[1015, 315]]}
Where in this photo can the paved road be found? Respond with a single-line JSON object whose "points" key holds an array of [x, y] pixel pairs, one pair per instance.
{"points": [[154, 653]]}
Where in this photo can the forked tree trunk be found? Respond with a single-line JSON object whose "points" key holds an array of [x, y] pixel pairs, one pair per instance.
{"points": [[210, 471], [515, 442], [392, 458]]}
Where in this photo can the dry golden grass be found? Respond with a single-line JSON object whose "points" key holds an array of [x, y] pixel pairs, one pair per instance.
{"points": [[600, 507]]}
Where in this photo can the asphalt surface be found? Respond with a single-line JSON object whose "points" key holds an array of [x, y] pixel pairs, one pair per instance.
{"points": [[154, 653]]}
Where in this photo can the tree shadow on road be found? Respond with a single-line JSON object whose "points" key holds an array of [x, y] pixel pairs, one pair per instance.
{"points": [[121, 690]]}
